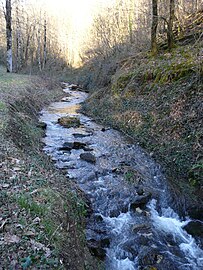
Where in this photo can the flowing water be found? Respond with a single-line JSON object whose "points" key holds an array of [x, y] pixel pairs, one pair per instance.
{"points": [[132, 225]]}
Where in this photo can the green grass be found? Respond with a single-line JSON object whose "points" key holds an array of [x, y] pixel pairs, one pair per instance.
{"points": [[12, 81], [42, 192]]}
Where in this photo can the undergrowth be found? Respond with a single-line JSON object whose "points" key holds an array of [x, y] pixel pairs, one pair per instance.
{"points": [[157, 102], [42, 214]]}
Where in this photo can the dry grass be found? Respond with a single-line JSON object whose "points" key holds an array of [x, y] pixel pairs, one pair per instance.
{"points": [[42, 221], [158, 102]]}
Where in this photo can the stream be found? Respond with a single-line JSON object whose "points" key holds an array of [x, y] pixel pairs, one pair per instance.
{"points": [[132, 225]]}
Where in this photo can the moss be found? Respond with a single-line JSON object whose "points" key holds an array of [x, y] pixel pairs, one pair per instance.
{"points": [[121, 82], [69, 122]]}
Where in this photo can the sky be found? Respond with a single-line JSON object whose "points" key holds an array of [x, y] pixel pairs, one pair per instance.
{"points": [[78, 14], [74, 18]]}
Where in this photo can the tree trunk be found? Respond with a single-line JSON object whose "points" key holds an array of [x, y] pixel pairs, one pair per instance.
{"points": [[9, 35], [18, 41], [39, 49], [45, 43], [154, 27], [170, 25]]}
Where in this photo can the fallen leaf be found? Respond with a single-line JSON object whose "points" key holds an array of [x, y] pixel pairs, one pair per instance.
{"points": [[30, 173], [9, 238], [17, 169], [5, 185], [36, 220], [39, 246], [29, 233]]}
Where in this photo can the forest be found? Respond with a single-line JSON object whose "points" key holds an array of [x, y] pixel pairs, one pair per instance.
{"points": [[101, 161]]}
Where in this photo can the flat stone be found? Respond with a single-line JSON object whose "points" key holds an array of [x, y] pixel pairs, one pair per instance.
{"points": [[89, 157], [68, 122], [141, 228], [81, 135]]}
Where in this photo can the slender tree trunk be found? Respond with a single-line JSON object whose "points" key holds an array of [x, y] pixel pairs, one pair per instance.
{"points": [[154, 27], [45, 43], [170, 25], [18, 41], [39, 49], [9, 35]]}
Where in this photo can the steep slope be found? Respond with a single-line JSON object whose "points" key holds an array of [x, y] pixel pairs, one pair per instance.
{"points": [[157, 101]]}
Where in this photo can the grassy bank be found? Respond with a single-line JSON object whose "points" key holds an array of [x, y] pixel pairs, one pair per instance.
{"points": [[157, 101], [42, 215]]}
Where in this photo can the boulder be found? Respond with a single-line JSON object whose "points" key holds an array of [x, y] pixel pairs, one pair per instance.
{"points": [[73, 86], [89, 157], [139, 201], [42, 125], [148, 256], [64, 85], [68, 122], [67, 146], [195, 228], [98, 239], [96, 249], [79, 145]]}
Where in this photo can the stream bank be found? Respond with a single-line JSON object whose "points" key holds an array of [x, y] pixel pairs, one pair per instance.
{"points": [[132, 225], [42, 216]]}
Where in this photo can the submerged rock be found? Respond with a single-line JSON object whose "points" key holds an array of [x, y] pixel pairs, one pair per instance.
{"points": [[68, 122], [89, 157], [141, 228], [80, 135], [140, 191]]}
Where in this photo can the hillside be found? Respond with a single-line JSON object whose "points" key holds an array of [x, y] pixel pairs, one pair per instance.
{"points": [[157, 102]]}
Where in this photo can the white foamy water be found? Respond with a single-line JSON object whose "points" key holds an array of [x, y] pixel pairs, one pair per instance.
{"points": [[110, 193], [170, 223]]}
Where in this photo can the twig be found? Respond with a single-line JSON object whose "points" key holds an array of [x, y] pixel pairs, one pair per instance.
{"points": [[3, 224], [55, 231]]}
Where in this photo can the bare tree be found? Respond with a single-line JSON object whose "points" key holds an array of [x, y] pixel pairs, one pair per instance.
{"points": [[8, 17], [45, 42], [154, 27], [170, 25]]}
